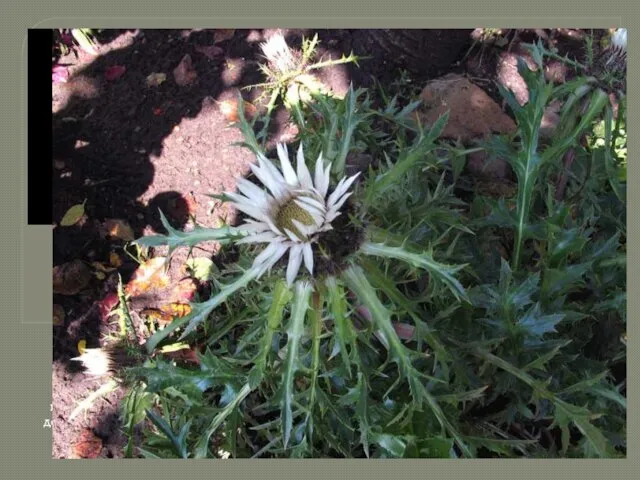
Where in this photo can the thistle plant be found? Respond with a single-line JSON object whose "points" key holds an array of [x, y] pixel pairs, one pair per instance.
{"points": [[289, 76], [297, 215]]}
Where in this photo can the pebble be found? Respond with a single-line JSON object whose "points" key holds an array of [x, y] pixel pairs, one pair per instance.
{"points": [[59, 164], [196, 183]]}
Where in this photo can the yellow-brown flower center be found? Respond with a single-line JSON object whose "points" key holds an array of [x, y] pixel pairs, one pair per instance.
{"points": [[290, 211]]}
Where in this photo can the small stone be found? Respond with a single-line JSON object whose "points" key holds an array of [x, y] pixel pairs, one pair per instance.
{"points": [[140, 216], [473, 116], [196, 183], [550, 119], [509, 76], [472, 113], [184, 74], [137, 129], [479, 164], [58, 164], [556, 71], [70, 278]]}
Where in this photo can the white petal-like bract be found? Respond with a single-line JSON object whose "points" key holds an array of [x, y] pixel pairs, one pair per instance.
{"points": [[290, 210]]}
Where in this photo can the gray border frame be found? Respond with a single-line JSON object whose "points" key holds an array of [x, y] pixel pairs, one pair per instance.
{"points": [[26, 379]]}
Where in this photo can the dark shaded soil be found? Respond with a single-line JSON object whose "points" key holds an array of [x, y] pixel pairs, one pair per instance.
{"points": [[127, 150]]}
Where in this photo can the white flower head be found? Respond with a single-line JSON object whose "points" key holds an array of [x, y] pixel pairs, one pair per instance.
{"points": [[293, 211], [619, 39], [95, 360], [278, 53]]}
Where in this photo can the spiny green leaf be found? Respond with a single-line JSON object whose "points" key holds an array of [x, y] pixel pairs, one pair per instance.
{"points": [[294, 333], [535, 324], [281, 297], [539, 363], [611, 167], [610, 394], [356, 280], [351, 120], [584, 384], [565, 413], [202, 446], [436, 447], [362, 413], [381, 281], [395, 445], [344, 332], [246, 128], [461, 397], [165, 375], [176, 238], [178, 442], [407, 160], [560, 281], [439, 271]]}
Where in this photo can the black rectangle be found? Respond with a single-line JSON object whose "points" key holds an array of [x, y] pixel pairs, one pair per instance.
{"points": [[39, 131]]}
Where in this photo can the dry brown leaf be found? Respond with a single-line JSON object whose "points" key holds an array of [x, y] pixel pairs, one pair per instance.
{"points": [[184, 291], [114, 72], [192, 204], [88, 445], [71, 277], [155, 79], [176, 309], [115, 260], [73, 215], [107, 304], [221, 35], [189, 355], [149, 276], [184, 74], [229, 109], [58, 315], [119, 229], [157, 314]]}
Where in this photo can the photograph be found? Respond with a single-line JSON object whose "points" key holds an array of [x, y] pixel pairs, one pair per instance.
{"points": [[359, 243]]}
